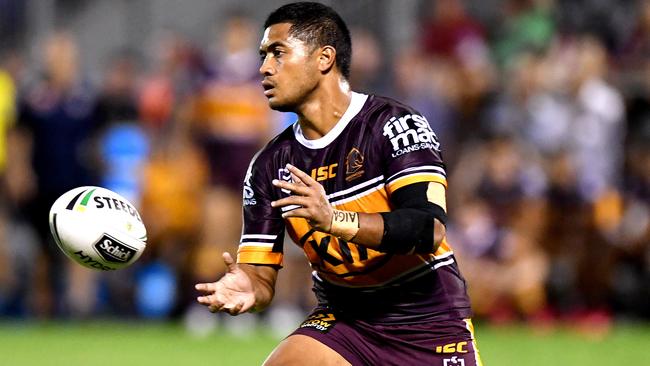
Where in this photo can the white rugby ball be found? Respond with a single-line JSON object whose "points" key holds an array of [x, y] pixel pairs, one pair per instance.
{"points": [[98, 228]]}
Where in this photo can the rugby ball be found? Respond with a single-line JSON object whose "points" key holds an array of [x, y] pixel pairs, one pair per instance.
{"points": [[98, 228]]}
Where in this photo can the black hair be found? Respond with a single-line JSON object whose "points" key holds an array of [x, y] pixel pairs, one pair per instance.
{"points": [[317, 25]]}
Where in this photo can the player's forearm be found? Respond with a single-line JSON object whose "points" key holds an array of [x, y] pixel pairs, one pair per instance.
{"points": [[263, 279], [372, 230]]}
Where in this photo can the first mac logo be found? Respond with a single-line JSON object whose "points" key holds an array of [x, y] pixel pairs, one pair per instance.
{"points": [[113, 251]]}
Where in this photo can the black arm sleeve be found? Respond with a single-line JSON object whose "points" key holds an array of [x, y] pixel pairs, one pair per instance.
{"points": [[409, 228]]}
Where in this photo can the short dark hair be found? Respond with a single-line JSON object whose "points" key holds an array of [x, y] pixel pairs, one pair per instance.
{"points": [[318, 25]]}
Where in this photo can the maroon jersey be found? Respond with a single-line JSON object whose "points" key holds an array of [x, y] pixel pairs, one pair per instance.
{"points": [[378, 146]]}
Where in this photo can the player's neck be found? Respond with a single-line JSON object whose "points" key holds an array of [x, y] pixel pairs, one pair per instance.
{"points": [[320, 113]]}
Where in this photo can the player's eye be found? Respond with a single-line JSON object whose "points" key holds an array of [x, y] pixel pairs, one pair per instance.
{"points": [[262, 57], [277, 53]]}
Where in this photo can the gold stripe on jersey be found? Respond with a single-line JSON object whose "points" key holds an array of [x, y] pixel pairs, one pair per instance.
{"points": [[259, 255], [415, 178]]}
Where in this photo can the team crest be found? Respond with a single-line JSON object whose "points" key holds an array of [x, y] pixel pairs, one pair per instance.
{"points": [[353, 165]]}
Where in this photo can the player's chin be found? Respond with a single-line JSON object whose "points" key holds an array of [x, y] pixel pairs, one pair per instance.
{"points": [[279, 105]]}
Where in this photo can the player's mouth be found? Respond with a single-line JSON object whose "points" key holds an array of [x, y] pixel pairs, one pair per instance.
{"points": [[268, 88]]}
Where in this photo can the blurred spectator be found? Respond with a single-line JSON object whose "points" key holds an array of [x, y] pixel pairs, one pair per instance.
{"points": [[174, 189], [580, 112], [7, 119], [15, 180], [118, 93], [631, 239], [599, 119], [449, 31], [630, 232], [58, 121], [453, 44], [124, 143], [231, 121], [7, 108], [527, 25], [433, 88], [365, 74], [636, 48], [17, 242], [566, 234], [498, 191], [124, 146], [175, 74]]}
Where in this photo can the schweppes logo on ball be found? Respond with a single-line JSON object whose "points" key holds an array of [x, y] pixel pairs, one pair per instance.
{"points": [[113, 251]]}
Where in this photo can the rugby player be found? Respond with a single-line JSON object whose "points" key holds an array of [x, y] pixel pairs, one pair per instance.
{"points": [[359, 184]]}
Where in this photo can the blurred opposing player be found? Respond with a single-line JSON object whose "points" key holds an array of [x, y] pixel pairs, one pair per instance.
{"points": [[359, 184]]}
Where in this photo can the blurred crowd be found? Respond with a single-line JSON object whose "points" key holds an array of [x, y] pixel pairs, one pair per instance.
{"points": [[543, 116]]}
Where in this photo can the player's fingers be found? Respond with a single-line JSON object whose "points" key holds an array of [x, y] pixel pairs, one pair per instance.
{"points": [[236, 310], [229, 261], [203, 300], [291, 200], [295, 188], [304, 177], [206, 287], [211, 302], [298, 181], [299, 212], [215, 308]]}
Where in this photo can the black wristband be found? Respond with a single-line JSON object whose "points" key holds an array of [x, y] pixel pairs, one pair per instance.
{"points": [[407, 230]]}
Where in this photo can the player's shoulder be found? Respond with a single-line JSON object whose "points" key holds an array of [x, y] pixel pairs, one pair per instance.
{"points": [[381, 110], [268, 154], [380, 103]]}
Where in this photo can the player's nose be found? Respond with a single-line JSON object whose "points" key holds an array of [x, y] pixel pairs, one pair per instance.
{"points": [[265, 68]]}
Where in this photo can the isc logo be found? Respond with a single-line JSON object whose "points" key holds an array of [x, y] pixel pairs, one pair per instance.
{"points": [[324, 172], [460, 347]]}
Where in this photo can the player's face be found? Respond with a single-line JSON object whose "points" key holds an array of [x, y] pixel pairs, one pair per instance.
{"points": [[289, 67]]}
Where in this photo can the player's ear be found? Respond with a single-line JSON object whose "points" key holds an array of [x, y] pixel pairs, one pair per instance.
{"points": [[326, 58]]}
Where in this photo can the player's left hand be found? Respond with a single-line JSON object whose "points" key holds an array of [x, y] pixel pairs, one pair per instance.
{"points": [[234, 293], [310, 196]]}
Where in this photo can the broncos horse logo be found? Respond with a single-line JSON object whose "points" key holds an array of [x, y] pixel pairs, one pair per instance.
{"points": [[353, 164]]}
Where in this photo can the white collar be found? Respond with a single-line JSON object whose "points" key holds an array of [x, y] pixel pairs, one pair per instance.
{"points": [[356, 103]]}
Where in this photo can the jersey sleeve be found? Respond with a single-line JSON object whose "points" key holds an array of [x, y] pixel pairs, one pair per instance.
{"points": [[411, 151], [263, 232]]}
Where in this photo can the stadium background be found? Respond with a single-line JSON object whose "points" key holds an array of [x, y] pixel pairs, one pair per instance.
{"points": [[542, 108]]}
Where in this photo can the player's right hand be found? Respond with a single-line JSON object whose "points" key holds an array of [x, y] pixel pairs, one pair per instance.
{"points": [[233, 293]]}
